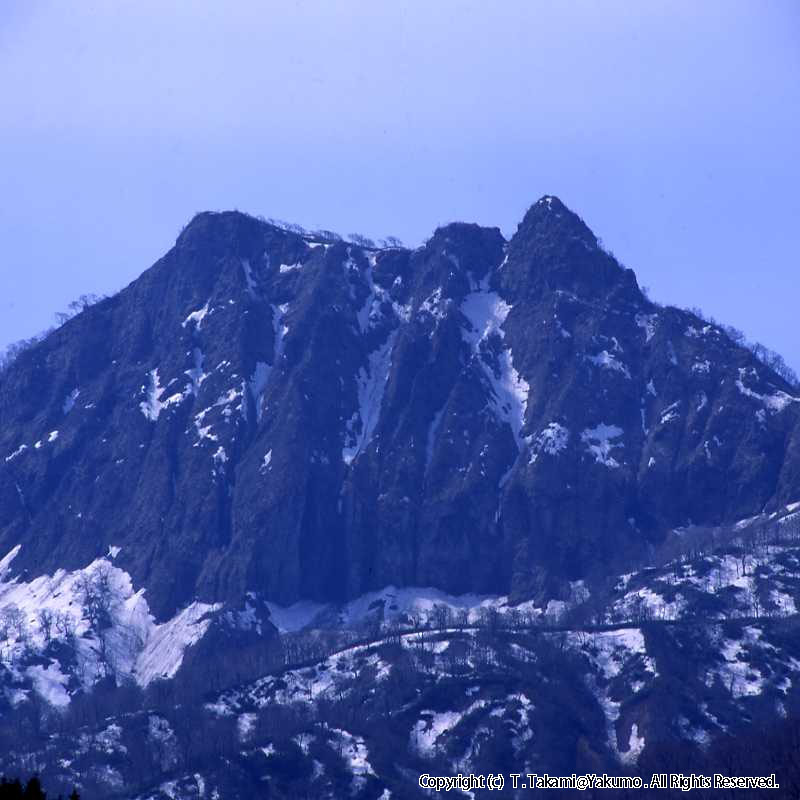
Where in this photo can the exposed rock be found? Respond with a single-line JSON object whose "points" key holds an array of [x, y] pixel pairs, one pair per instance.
{"points": [[315, 420]]}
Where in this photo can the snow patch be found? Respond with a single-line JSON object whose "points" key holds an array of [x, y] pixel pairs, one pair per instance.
{"points": [[598, 441], [737, 674], [69, 401], [647, 322], [195, 374], [129, 643], [552, 439], [433, 305], [635, 746], [355, 753], [260, 378], [433, 431], [696, 333], [370, 386], [220, 458], [18, 452], [50, 683], [670, 413], [774, 403], [248, 277], [152, 406], [486, 312], [427, 730], [196, 317], [607, 360], [288, 619], [165, 644], [372, 310]]}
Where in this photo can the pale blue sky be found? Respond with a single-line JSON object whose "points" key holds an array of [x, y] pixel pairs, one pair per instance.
{"points": [[673, 128]]}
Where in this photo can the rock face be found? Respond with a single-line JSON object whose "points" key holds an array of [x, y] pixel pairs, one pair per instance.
{"points": [[263, 412]]}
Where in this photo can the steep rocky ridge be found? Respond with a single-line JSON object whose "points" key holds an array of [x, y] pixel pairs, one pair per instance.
{"points": [[303, 419]]}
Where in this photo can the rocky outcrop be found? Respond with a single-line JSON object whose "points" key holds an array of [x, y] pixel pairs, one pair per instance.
{"points": [[264, 412]]}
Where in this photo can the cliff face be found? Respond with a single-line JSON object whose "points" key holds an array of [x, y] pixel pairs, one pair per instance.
{"points": [[263, 412]]}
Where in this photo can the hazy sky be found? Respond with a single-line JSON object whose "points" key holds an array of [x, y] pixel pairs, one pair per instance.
{"points": [[673, 128]]}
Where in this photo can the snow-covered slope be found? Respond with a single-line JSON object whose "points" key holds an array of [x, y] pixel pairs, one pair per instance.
{"points": [[64, 632]]}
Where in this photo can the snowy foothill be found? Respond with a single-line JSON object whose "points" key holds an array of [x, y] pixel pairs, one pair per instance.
{"points": [[103, 621], [393, 603], [610, 653]]}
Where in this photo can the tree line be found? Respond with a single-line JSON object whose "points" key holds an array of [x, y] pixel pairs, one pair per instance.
{"points": [[13, 351], [32, 790]]}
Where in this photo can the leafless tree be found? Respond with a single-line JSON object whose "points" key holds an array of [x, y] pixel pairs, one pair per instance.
{"points": [[65, 626], [46, 620], [96, 593], [441, 616], [361, 241], [13, 621]]}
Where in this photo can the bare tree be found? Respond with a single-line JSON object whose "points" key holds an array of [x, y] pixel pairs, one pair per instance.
{"points": [[46, 620], [461, 619], [13, 621], [441, 616], [65, 626], [327, 236], [97, 598], [360, 240]]}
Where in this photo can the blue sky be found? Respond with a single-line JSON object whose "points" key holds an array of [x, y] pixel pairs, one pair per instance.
{"points": [[672, 128]]}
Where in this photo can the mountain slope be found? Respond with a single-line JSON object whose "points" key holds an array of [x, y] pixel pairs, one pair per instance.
{"points": [[305, 419], [677, 666]]}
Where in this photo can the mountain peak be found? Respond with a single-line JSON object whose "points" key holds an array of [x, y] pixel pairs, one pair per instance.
{"points": [[219, 229], [550, 202], [554, 249], [548, 216], [264, 410]]}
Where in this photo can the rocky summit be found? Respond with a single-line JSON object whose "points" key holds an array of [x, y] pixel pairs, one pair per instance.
{"points": [[303, 418], [291, 516]]}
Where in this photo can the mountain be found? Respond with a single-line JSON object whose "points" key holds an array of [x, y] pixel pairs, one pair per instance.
{"points": [[314, 420], [691, 665], [295, 516], [264, 411]]}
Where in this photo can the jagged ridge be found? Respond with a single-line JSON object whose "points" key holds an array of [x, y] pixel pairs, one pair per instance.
{"points": [[303, 419]]}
